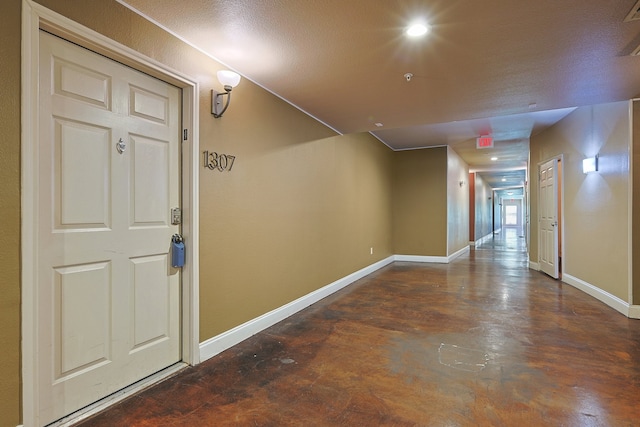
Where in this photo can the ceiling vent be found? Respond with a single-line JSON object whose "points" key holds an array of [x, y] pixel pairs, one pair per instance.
{"points": [[634, 15]]}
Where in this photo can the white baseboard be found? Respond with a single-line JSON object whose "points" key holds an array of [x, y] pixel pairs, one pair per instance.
{"points": [[634, 311], [534, 265], [420, 258], [464, 250], [228, 339], [482, 239], [433, 259], [599, 294]]}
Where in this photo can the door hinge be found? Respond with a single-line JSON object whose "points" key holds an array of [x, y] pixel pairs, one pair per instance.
{"points": [[185, 134]]}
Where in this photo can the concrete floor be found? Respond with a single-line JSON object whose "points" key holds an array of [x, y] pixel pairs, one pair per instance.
{"points": [[482, 341]]}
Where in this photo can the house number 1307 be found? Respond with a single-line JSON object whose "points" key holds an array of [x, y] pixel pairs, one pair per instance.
{"points": [[222, 162]]}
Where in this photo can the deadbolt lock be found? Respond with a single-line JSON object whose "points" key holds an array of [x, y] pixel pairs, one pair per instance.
{"points": [[176, 216]]}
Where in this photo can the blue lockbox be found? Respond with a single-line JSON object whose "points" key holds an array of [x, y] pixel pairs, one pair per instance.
{"points": [[177, 251]]}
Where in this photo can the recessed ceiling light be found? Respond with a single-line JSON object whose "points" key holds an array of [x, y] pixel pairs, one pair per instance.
{"points": [[417, 29], [493, 159]]}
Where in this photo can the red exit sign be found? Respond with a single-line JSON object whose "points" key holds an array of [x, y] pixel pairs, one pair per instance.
{"points": [[484, 142]]}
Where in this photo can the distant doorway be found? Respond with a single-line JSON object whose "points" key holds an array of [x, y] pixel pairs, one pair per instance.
{"points": [[512, 215]]}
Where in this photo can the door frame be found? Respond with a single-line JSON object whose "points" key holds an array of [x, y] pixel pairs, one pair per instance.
{"points": [[561, 244], [34, 18]]}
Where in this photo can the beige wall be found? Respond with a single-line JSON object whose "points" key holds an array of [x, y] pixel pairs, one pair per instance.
{"points": [[430, 208], [288, 220], [420, 202], [596, 206], [483, 203], [457, 202], [10, 213]]}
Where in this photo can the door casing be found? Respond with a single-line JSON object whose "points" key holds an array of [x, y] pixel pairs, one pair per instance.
{"points": [[34, 18]]}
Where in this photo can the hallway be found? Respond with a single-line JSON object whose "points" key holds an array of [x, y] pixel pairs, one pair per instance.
{"points": [[482, 341]]}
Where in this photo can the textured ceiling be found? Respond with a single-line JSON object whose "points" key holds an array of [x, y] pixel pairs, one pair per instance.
{"points": [[508, 68]]}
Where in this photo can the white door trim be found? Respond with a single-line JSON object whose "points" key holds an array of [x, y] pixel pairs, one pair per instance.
{"points": [[630, 213], [34, 18]]}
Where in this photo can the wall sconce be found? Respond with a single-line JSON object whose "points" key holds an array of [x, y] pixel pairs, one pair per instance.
{"points": [[590, 164], [229, 80]]}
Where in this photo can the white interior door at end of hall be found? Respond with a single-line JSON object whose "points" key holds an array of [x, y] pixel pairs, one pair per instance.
{"points": [[549, 218], [108, 299]]}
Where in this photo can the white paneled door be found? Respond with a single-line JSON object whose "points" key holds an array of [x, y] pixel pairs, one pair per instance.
{"points": [[108, 160], [548, 218]]}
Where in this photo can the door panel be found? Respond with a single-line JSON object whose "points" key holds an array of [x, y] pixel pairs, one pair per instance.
{"points": [[83, 175], [151, 295], [82, 321], [108, 299], [548, 232], [86, 85], [148, 105], [150, 192]]}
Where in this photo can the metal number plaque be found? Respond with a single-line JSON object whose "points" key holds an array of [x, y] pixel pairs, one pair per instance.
{"points": [[220, 162]]}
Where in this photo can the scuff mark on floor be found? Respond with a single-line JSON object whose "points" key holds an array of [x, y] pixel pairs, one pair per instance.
{"points": [[464, 359]]}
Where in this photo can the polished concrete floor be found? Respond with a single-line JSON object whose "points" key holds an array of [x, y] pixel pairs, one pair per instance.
{"points": [[482, 341]]}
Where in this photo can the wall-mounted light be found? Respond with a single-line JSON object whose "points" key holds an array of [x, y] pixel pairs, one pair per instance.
{"points": [[590, 164], [229, 80]]}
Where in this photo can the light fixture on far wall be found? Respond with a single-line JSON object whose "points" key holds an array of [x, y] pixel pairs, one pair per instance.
{"points": [[590, 164], [229, 80]]}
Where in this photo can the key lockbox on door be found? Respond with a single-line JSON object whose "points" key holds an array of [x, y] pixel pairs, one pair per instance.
{"points": [[177, 251]]}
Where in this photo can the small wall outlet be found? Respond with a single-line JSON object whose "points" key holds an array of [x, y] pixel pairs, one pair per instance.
{"points": [[371, 250]]}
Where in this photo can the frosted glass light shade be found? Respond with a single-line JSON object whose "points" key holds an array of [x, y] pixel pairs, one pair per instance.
{"points": [[590, 164], [228, 78]]}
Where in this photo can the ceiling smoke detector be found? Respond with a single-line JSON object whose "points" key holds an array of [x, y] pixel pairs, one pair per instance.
{"points": [[634, 15]]}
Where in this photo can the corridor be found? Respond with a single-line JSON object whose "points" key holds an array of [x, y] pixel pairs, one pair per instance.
{"points": [[482, 341]]}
